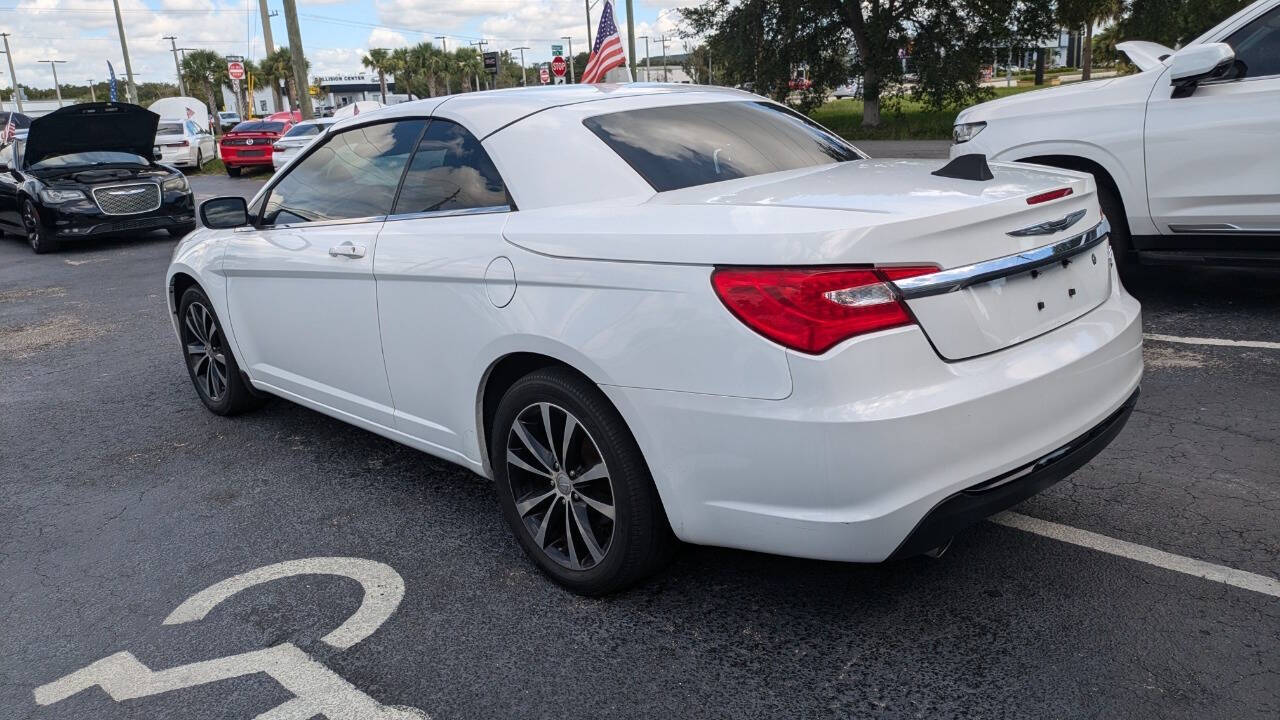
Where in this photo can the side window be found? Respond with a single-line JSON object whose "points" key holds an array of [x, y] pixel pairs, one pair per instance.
{"points": [[192, 128], [354, 174], [1257, 46], [450, 171]]}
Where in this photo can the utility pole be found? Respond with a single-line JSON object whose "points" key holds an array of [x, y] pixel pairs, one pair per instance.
{"points": [[481, 43], [523, 81], [631, 39], [566, 37], [57, 89], [663, 39], [645, 38], [130, 89], [299, 59], [589, 43], [444, 50], [173, 45], [13, 79], [270, 46], [93, 92]]}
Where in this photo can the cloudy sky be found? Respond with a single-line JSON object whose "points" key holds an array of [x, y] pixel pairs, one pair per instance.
{"points": [[335, 33]]}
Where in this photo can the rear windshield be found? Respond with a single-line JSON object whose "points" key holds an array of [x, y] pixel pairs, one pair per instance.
{"points": [[165, 128], [679, 146], [258, 126], [303, 131]]}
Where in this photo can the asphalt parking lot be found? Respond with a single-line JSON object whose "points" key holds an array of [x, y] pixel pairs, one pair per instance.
{"points": [[121, 497]]}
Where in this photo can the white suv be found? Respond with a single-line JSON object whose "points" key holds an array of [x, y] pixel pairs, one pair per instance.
{"points": [[1186, 152]]}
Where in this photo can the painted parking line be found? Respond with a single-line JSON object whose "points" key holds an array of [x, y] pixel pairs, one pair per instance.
{"points": [[1141, 553], [1212, 341]]}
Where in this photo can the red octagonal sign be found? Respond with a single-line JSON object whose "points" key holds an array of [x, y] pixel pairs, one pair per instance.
{"points": [[235, 70], [559, 66]]}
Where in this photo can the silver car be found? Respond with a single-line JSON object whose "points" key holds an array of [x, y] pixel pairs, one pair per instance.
{"points": [[296, 139]]}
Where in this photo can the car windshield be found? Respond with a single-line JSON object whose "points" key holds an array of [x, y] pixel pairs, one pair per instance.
{"points": [[169, 128], [258, 126], [88, 159], [304, 130], [680, 146]]}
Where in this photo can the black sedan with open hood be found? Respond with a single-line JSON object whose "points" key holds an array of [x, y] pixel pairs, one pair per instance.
{"points": [[87, 171]]}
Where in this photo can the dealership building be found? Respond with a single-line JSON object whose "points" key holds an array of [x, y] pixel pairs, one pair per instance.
{"points": [[335, 91]]}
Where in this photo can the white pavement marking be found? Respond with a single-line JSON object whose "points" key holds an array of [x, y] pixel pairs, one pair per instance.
{"points": [[1141, 553], [1212, 341], [317, 690], [383, 590]]}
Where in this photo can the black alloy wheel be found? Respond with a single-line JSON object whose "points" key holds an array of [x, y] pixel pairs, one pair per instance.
{"points": [[39, 237], [210, 363]]}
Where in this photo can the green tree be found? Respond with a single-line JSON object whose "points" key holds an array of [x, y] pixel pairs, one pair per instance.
{"points": [[279, 67], [379, 61], [1088, 13], [206, 71]]}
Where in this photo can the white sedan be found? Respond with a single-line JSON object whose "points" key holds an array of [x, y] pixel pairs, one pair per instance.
{"points": [[298, 138], [651, 312], [182, 143]]}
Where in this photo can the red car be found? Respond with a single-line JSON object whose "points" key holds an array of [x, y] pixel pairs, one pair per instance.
{"points": [[249, 143]]}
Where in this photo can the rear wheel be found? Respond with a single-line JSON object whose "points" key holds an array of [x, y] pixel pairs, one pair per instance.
{"points": [[1121, 241], [233, 171], [212, 367], [199, 159], [39, 237], [574, 487]]}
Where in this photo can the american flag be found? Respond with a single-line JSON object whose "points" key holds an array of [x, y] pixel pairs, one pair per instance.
{"points": [[607, 53], [10, 131]]}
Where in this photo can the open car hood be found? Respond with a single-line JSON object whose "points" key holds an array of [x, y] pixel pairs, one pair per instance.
{"points": [[1145, 55], [118, 127]]}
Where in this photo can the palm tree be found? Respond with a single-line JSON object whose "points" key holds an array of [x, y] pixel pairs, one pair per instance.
{"points": [[269, 74], [206, 70], [404, 70], [470, 63], [280, 64], [1074, 13], [379, 61], [435, 62]]}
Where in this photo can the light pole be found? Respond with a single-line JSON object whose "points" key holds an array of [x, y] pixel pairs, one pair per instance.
{"points": [[566, 37], [523, 81], [131, 89], [444, 50], [664, 41], [645, 38], [173, 45], [56, 89], [13, 79]]}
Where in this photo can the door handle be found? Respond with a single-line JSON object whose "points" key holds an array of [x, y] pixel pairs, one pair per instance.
{"points": [[347, 250]]}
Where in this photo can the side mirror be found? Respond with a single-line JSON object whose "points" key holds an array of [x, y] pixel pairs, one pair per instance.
{"points": [[224, 212], [1191, 66]]}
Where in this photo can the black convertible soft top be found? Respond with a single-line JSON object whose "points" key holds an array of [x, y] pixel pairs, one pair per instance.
{"points": [[86, 127]]}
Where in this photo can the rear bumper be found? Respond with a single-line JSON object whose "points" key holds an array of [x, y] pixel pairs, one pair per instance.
{"points": [[235, 159], [878, 433]]}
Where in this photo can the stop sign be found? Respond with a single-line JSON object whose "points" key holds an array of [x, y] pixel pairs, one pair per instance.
{"points": [[559, 66], [543, 75], [235, 70]]}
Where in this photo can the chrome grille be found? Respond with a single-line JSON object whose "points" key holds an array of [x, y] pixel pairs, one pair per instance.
{"points": [[127, 199]]}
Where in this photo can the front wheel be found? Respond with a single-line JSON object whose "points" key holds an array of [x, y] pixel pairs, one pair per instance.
{"points": [[212, 367], [39, 237], [574, 487]]}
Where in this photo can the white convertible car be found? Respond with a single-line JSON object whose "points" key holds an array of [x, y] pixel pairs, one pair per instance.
{"points": [[652, 312]]}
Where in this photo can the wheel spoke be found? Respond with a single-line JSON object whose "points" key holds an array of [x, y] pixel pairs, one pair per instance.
{"points": [[541, 536], [584, 527], [568, 537], [570, 424], [200, 368], [514, 459], [540, 453], [595, 472], [546, 429], [524, 506], [195, 348], [604, 509], [193, 324]]}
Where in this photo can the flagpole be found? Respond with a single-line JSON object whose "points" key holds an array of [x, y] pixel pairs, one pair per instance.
{"points": [[631, 41]]}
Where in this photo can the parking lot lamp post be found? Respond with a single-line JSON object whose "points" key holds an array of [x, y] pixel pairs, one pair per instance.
{"points": [[57, 90], [13, 79], [566, 37]]}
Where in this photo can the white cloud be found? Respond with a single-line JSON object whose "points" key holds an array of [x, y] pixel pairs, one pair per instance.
{"points": [[384, 38]]}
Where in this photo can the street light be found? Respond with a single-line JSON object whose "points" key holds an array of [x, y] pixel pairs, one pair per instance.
{"points": [[566, 37], [523, 81], [57, 90]]}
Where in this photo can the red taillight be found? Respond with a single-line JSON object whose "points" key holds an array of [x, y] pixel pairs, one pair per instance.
{"points": [[814, 309], [1047, 196]]}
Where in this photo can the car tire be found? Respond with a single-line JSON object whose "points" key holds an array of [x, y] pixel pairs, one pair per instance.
{"points": [[40, 238], [199, 159], [211, 365], [233, 171], [1121, 240], [550, 503]]}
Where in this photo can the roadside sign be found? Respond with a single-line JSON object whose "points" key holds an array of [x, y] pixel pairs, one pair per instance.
{"points": [[557, 50], [544, 75], [235, 70], [491, 63], [559, 66]]}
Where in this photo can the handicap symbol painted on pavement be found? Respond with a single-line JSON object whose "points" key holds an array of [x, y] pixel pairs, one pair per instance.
{"points": [[317, 690]]}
